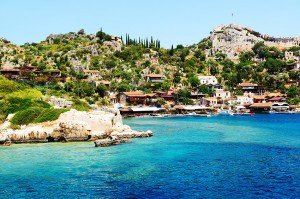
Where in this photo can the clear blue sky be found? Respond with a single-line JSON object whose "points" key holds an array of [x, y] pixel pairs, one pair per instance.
{"points": [[171, 21]]}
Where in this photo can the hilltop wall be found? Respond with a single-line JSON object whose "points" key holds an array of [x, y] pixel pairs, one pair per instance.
{"points": [[232, 39]]}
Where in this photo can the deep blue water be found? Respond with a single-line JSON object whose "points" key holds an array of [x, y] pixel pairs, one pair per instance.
{"points": [[188, 157]]}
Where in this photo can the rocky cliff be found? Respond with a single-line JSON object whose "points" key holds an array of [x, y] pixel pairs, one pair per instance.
{"points": [[232, 39], [72, 126]]}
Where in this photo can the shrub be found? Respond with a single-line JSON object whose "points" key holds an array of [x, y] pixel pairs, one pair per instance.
{"points": [[15, 104], [80, 105], [49, 115], [26, 116]]}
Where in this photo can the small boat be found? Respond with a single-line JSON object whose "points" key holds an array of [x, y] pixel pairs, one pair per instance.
{"points": [[192, 113], [226, 112]]}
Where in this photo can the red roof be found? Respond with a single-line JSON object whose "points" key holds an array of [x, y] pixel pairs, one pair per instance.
{"points": [[9, 70], [247, 84], [134, 94], [259, 97], [261, 105], [276, 98], [154, 75]]}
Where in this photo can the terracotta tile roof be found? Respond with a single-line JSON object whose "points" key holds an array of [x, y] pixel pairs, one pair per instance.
{"points": [[259, 97], [150, 95], [178, 107], [211, 99], [104, 82], [247, 84], [154, 75], [134, 94], [9, 70], [275, 95], [221, 91], [91, 71], [261, 105], [276, 98]]}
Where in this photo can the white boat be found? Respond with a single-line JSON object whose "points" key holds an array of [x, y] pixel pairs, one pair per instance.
{"points": [[192, 113], [226, 112]]}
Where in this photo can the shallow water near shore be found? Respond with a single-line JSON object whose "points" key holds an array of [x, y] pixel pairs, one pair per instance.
{"points": [[188, 157]]}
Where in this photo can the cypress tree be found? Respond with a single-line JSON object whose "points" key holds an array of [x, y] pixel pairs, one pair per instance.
{"points": [[172, 51], [147, 43]]}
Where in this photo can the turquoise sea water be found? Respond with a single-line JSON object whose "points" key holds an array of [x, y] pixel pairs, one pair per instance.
{"points": [[188, 157]]}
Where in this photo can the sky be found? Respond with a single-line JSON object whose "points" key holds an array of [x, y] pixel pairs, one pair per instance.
{"points": [[173, 22]]}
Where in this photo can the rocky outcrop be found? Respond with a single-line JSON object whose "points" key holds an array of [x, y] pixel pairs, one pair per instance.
{"points": [[120, 137], [232, 39], [73, 126]]}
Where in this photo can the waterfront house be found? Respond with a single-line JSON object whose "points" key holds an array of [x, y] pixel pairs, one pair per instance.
{"points": [[277, 99], [261, 107], [212, 102], [258, 98], [138, 111], [154, 78], [131, 98], [280, 107], [220, 93], [244, 100], [250, 88]]}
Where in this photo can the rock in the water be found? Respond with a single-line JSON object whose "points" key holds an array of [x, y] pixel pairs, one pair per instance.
{"points": [[73, 126], [109, 141]]}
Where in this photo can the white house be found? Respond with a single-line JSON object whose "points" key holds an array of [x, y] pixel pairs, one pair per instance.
{"points": [[222, 94], [244, 99], [208, 80]]}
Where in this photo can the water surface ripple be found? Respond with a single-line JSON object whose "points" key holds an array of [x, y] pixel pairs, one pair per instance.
{"points": [[189, 157]]}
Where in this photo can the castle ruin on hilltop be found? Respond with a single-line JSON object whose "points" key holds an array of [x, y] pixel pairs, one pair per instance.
{"points": [[232, 39]]}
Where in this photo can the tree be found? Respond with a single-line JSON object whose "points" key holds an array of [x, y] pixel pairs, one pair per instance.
{"points": [[246, 56], [177, 77], [161, 101], [123, 87], [205, 90], [101, 90], [81, 32], [292, 91], [273, 66], [194, 81], [171, 52]]}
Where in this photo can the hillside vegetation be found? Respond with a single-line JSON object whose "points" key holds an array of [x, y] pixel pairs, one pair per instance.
{"points": [[125, 62]]}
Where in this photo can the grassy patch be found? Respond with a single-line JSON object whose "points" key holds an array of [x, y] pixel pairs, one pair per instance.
{"points": [[80, 105], [26, 116], [49, 115]]}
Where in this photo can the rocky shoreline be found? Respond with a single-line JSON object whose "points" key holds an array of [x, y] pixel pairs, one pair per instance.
{"points": [[104, 127]]}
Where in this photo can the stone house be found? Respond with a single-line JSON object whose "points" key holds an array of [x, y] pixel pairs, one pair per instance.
{"points": [[154, 78], [288, 55], [91, 74]]}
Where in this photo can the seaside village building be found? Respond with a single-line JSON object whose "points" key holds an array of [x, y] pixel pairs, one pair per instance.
{"points": [[154, 78], [92, 74], [208, 80], [250, 88]]}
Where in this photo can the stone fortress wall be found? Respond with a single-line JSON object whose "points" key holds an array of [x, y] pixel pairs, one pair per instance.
{"points": [[232, 39]]}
